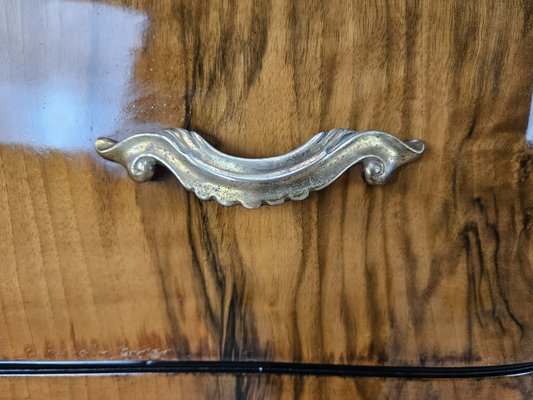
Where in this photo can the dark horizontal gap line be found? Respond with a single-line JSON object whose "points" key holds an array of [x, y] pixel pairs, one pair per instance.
{"points": [[254, 367]]}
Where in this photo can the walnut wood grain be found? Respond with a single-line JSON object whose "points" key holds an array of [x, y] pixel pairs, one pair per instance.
{"points": [[192, 387], [433, 269]]}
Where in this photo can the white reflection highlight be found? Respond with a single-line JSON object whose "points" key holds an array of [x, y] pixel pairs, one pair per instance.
{"points": [[529, 130], [65, 71]]}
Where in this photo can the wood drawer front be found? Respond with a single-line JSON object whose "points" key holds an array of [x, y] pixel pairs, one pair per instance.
{"points": [[192, 387]]}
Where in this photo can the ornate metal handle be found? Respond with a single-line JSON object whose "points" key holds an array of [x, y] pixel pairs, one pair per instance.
{"points": [[230, 180]]}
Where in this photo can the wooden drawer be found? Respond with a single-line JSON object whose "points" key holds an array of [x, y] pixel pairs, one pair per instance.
{"points": [[432, 269]]}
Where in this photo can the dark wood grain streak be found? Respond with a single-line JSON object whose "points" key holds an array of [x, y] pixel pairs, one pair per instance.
{"points": [[435, 268]]}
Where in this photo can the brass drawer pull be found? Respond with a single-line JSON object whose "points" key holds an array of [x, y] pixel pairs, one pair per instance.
{"points": [[230, 180]]}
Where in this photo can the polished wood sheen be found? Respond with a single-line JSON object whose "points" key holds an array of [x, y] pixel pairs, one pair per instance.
{"points": [[434, 268], [192, 387]]}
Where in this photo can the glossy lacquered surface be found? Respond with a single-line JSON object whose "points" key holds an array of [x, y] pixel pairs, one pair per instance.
{"points": [[432, 269], [264, 386]]}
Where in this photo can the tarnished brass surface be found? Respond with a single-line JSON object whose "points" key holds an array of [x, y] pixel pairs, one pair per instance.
{"points": [[230, 180]]}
